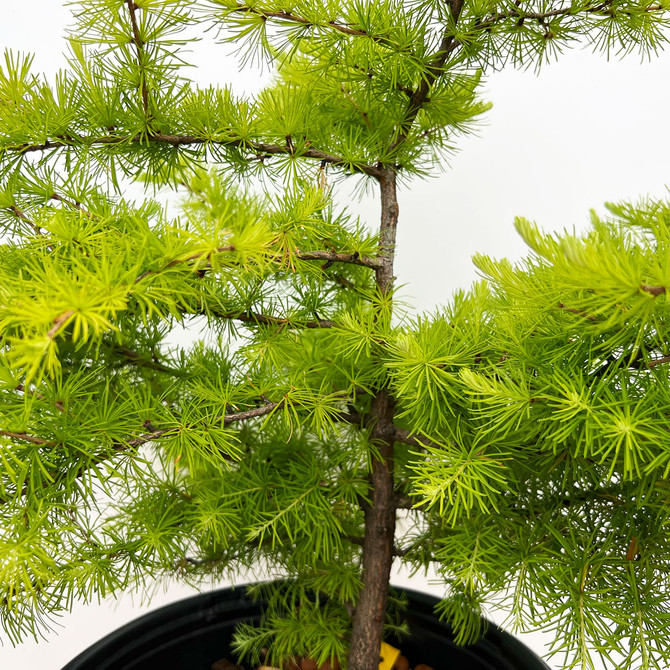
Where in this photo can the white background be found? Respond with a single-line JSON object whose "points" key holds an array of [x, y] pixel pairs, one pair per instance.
{"points": [[583, 132]]}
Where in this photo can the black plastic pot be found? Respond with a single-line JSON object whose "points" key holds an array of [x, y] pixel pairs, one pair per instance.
{"points": [[194, 633]]}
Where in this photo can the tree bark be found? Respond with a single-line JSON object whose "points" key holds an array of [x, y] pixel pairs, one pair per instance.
{"points": [[380, 512]]}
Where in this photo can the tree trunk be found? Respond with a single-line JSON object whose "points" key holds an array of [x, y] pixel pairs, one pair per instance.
{"points": [[380, 513]]}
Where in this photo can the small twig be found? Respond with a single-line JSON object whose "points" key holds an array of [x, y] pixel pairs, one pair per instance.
{"points": [[267, 408], [405, 502], [579, 312], [342, 281], [178, 261], [59, 322], [364, 115], [402, 552], [653, 290], [122, 446], [139, 360], [21, 215], [59, 405], [409, 92], [143, 439], [73, 205], [25, 437], [80, 530], [657, 361], [404, 436]]}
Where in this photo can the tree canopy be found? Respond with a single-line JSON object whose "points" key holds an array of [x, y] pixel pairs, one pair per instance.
{"points": [[521, 429]]}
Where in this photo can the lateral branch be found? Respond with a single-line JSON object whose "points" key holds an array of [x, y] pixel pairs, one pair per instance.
{"points": [[227, 419], [606, 7], [433, 72], [259, 148], [120, 447], [266, 320], [317, 255], [335, 257], [290, 17]]}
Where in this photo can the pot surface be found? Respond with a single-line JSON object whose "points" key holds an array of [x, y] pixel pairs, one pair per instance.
{"points": [[194, 633]]}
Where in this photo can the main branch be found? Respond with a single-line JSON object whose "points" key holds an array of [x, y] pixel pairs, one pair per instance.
{"points": [[380, 512]]}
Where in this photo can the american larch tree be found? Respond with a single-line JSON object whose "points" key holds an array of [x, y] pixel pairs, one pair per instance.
{"points": [[522, 430]]}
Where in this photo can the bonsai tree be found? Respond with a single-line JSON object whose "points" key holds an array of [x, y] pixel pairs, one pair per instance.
{"points": [[520, 433]]}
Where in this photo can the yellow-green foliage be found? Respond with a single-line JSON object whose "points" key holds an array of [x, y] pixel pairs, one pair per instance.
{"points": [[529, 415]]}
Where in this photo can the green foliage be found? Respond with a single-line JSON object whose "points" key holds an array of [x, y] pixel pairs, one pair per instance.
{"points": [[310, 615], [525, 420]]}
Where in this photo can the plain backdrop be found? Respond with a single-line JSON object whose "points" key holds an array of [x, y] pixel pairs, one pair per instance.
{"points": [[583, 132]]}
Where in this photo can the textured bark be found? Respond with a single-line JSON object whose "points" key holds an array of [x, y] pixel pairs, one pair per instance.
{"points": [[381, 511], [377, 545], [387, 230]]}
